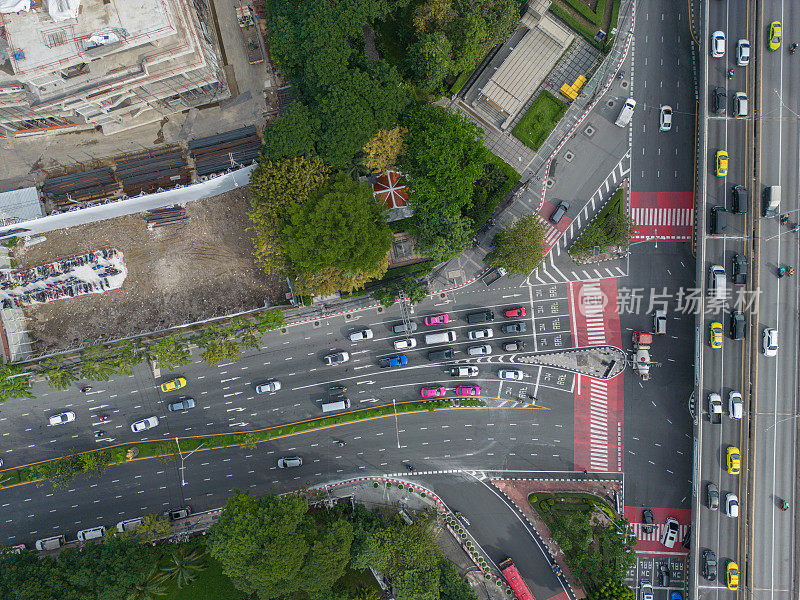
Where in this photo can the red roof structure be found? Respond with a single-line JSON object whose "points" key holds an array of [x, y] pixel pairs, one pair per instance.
{"points": [[390, 190]]}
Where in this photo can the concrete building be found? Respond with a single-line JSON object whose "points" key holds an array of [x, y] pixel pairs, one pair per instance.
{"points": [[82, 64], [534, 55]]}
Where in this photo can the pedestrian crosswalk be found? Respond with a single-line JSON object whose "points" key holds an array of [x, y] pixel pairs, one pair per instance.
{"points": [[592, 304], [598, 425], [662, 216], [663, 224]]}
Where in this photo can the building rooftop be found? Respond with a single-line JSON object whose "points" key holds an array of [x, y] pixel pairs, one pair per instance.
{"points": [[38, 45]]}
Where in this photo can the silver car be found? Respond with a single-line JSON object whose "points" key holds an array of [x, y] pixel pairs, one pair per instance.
{"points": [[479, 334], [479, 350], [289, 462], [182, 404], [61, 418], [361, 334], [742, 53], [337, 358], [268, 387], [770, 342], [144, 424], [510, 374]]}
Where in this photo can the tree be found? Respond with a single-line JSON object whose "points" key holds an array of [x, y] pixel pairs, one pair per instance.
{"points": [[519, 248], [500, 17], [453, 586], [444, 157], [94, 464], [429, 61], [129, 354], [339, 229], [185, 565], [442, 239], [272, 547], [59, 375], [468, 36], [612, 590], [433, 15], [270, 320], [292, 135], [151, 528], [385, 147], [332, 280], [149, 586], [619, 228], [169, 352], [415, 290], [95, 365], [14, 382]]}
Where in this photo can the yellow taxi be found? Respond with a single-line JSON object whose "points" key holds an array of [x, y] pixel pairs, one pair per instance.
{"points": [[175, 384], [733, 576], [733, 460], [722, 163], [775, 35], [715, 334]]}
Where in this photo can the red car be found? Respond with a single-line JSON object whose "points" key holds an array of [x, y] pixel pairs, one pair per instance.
{"points": [[468, 390], [513, 313], [437, 320], [432, 392]]}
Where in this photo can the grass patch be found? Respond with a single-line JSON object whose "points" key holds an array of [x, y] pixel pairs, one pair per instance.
{"points": [[594, 17], [587, 31], [167, 448], [611, 227], [539, 120], [497, 180], [459, 83]]}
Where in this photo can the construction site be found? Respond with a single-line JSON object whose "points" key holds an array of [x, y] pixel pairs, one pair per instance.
{"points": [[77, 64], [182, 265]]}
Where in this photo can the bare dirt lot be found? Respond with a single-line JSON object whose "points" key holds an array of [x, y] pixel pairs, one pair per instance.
{"points": [[197, 269]]}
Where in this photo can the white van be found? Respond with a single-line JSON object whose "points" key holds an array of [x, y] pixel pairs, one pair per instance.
{"points": [[716, 282], [92, 533], [129, 524], [336, 405], [51, 543], [626, 113], [440, 338]]}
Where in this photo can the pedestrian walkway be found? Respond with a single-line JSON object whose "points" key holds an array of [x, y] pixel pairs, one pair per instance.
{"points": [[663, 216], [598, 403]]}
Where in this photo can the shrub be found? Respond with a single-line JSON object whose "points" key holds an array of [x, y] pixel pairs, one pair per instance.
{"points": [[375, 484]]}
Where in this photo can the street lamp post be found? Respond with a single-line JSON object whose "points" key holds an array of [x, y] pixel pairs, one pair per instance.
{"points": [[178, 443]]}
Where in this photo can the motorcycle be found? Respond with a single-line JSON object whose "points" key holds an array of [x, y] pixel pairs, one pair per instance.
{"points": [[792, 48], [99, 434], [85, 389], [784, 505], [339, 443], [103, 418], [410, 468], [730, 73], [784, 219], [621, 74]]}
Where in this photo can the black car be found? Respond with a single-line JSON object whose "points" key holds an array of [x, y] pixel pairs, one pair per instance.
{"points": [[516, 327], [739, 269], [647, 520], [663, 575], [720, 99], [559, 212], [709, 565]]}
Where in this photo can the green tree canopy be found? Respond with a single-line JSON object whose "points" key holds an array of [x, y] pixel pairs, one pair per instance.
{"points": [[444, 157], [611, 590], [468, 36], [443, 238], [339, 227], [519, 248], [430, 60], [293, 134], [270, 546]]}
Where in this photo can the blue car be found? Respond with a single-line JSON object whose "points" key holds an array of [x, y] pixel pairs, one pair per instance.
{"points": [[675, 596]]}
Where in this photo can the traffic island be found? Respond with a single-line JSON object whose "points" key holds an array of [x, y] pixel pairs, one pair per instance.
{"points": [[600, 362]]}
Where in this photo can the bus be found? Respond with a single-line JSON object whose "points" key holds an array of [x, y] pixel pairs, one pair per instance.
{"points": [[514, 580]]}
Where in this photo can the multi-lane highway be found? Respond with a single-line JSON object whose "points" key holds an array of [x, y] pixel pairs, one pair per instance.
{"points": [[763, 151]]}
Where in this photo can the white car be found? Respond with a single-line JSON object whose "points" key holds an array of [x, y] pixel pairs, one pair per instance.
{"points": [[273, 385], [337, 358], [732, 506], [671, 529], [361, 334], [510, 374], [735, 405], [479, 334], [479, 350], [770, 342], [718, 44], [665, 119], [61, 418], [646, 592], [405, 344], [144, 424], [742, 53]]}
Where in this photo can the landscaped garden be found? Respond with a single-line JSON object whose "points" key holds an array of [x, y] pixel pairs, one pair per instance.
{"points": [[539, 120], [598, 544], [611, 227]]}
